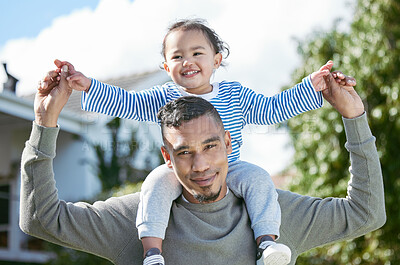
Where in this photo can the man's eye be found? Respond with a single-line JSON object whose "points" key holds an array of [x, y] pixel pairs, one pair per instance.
{"points": [[210, 146], [183, 153]]}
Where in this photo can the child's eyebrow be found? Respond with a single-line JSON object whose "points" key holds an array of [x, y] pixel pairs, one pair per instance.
{"points": [[199, 47]]}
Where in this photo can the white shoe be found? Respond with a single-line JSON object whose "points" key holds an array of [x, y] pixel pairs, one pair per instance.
{"points": [[153, 257], [274, 254]]}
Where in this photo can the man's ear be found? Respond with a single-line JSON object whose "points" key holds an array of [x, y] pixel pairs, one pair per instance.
{"points": [[217, 60], [166, 68], [228, 142], [166, 156]]}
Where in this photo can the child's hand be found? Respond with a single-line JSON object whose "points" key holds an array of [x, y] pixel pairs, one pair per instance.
{"points": [[76, 80], [318, 77]]}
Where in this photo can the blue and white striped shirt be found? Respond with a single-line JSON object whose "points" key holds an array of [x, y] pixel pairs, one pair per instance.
{"points": [[236, 104]]}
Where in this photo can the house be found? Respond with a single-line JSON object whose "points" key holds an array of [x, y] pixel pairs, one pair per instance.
{"points": [[75, 178]]}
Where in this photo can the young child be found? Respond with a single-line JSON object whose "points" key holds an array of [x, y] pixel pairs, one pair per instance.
{"points": [[192, 52]]}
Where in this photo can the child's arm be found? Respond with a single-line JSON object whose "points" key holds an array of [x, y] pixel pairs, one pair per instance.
{"points": [[305, 96], [114, 101]]}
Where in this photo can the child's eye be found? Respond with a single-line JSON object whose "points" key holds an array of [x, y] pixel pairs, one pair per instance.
{"points": [[176, 57], [197, 53]]}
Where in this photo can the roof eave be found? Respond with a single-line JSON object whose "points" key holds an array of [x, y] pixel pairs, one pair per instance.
{"points": [[23, 108]]}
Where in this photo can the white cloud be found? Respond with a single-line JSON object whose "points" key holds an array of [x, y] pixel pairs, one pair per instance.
{"points": [[120, 37]]}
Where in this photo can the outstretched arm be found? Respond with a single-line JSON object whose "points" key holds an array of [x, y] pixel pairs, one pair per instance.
{"points": [[305, 96], [115, 101], [309, 222]]}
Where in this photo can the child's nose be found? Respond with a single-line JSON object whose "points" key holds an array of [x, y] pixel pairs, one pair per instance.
{"points": [[187, 62]]}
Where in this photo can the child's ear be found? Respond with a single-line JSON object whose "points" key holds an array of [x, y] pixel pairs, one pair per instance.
{"points": [[217, 60], [166, 156], [166, 68]]}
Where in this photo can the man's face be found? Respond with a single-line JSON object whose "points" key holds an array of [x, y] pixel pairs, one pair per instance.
{"points": [[197, 151]]}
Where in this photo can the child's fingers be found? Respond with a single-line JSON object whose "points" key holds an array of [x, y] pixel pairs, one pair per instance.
{"points": [[325, 72], [328, 66], [75, 77], [320, 74], [59, 64]]}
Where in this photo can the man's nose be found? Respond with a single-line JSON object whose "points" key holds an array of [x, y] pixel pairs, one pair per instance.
{"points": [[200, 163]]}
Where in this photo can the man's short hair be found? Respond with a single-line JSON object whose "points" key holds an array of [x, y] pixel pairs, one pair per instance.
{"points": [[184, 109]]}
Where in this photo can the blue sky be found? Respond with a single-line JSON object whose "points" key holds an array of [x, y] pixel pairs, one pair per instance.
{"points": [[26, 18]]}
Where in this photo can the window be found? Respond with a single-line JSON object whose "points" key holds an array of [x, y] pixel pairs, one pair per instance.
{"points": [[4, 214]]}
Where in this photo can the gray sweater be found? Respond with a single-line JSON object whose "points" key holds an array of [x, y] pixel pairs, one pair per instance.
{"points": [[216, 233]]}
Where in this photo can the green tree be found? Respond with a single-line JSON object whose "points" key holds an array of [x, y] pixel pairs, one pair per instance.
{"points": [[114, 165], [369, 51]]}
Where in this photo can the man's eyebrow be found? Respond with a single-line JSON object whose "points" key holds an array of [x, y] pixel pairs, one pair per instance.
{"points": [[180, 148], [185, 147], [210, 140]]}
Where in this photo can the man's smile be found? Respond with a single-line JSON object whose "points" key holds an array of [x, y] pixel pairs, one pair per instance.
{"points": [[204, 181]]}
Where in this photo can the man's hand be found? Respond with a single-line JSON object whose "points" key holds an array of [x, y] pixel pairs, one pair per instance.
{"points": [[76, 80], [343, 98], [52, 95], [318, 77]]}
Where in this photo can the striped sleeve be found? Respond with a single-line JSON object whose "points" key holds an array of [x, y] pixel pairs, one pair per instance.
{"points": [[261, 110], [115, 101]]}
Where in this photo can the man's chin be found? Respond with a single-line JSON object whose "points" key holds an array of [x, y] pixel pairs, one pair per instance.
{"points": [[207, 198]]}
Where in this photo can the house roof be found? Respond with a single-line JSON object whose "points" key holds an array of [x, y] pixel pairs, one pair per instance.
{"points": [[22, 107]]}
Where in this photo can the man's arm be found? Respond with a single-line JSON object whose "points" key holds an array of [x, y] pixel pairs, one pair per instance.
{"points": [[104, 228], [309, 222]]}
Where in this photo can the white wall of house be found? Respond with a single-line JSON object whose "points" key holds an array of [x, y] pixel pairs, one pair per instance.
{"points": [[74, 176], [5, 147]]}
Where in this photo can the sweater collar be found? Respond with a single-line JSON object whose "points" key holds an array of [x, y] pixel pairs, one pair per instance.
{"points": [[208, 207]]}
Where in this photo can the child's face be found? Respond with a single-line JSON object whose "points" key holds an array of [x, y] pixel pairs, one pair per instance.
{"points": [[190, 60]]}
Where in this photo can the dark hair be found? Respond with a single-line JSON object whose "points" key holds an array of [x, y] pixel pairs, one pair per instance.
{"points": [[218, 45], [184, 109]]}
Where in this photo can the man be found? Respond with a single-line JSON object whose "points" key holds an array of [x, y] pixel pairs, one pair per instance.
{"points": [[208, 224]]}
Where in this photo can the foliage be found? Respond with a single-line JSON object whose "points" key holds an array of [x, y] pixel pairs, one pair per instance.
{"points": [[116, 167], [370, 51], [67, 256]]}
